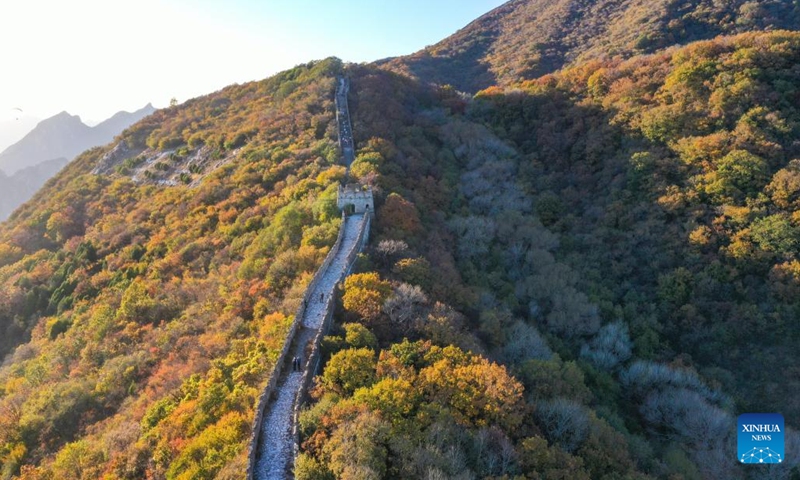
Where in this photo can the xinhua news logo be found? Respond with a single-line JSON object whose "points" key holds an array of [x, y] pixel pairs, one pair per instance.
{"points": [[760, 438]]}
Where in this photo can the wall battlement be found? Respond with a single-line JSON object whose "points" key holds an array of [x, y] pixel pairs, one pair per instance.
{"points": [[358, 196]]}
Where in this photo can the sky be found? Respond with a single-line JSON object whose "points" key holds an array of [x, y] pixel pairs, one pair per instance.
{"points": [[93, 58]]}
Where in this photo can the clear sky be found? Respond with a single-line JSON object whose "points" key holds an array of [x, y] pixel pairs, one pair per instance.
{"points": [[96, 57]]}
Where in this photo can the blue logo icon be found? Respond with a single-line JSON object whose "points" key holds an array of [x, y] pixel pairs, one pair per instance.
{"points": [[760, 438]]}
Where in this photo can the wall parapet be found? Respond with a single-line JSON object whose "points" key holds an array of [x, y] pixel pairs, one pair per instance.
{"points": [[343, 121]]}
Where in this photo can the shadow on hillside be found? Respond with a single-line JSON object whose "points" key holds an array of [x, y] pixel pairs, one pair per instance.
{"points": [[465, 69]]}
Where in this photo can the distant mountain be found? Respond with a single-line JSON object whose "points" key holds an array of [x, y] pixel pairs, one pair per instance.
{"points": [[64, 136], [524, 39], [120, 121], [19, 187]]}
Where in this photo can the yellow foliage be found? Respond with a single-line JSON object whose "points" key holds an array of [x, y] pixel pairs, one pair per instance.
{"points": [[364, 295], [741, 247], [700, 236]]}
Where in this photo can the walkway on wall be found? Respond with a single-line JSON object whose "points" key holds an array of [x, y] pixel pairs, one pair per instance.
{"points": [[276, 448], [343, 122]]}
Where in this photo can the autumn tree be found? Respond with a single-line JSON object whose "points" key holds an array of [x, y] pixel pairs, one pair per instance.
{"points": [[357, 449], [480, 392], [405, 306], [349, 370], [365, 294], [399, 217]]}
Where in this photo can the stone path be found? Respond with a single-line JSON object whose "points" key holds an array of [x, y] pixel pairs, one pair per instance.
{"points": [[343, 117], [276, 449]]}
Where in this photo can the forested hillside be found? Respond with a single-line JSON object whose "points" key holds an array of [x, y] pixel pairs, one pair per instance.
{"points": [[141, 321], [620, 237], [671, 180], [524, 39]]}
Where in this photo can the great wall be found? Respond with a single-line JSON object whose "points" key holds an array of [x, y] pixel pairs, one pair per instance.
{"points": [[275, 440]]}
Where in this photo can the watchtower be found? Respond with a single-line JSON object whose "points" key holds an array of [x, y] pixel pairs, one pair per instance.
{"points": [[360, 197]]}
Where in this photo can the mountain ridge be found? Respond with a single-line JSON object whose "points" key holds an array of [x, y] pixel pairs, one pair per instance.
{"points": [[23, 184], [525, 39]]}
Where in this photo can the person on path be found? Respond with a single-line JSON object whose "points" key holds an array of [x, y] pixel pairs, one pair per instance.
{"points": [[321, 297]]}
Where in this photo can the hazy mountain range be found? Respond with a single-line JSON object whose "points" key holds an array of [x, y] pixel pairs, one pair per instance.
{"points": [[64, 136], [27, 164]]}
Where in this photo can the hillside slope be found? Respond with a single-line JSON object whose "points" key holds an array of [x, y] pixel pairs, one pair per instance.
{"points": [[524, 39], [21, 186], [622, 237], [140, 321]]}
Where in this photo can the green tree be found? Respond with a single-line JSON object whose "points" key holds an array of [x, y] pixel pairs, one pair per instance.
{"points": [[740, 174], [396, 399], [78, 460], [548, 379], [358, 336], [544, 462], [137, 305], [776, 234], [307, 467]]}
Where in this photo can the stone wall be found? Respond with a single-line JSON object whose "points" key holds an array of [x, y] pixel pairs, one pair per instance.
{"points": [[269, 389], [313, 364]]}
